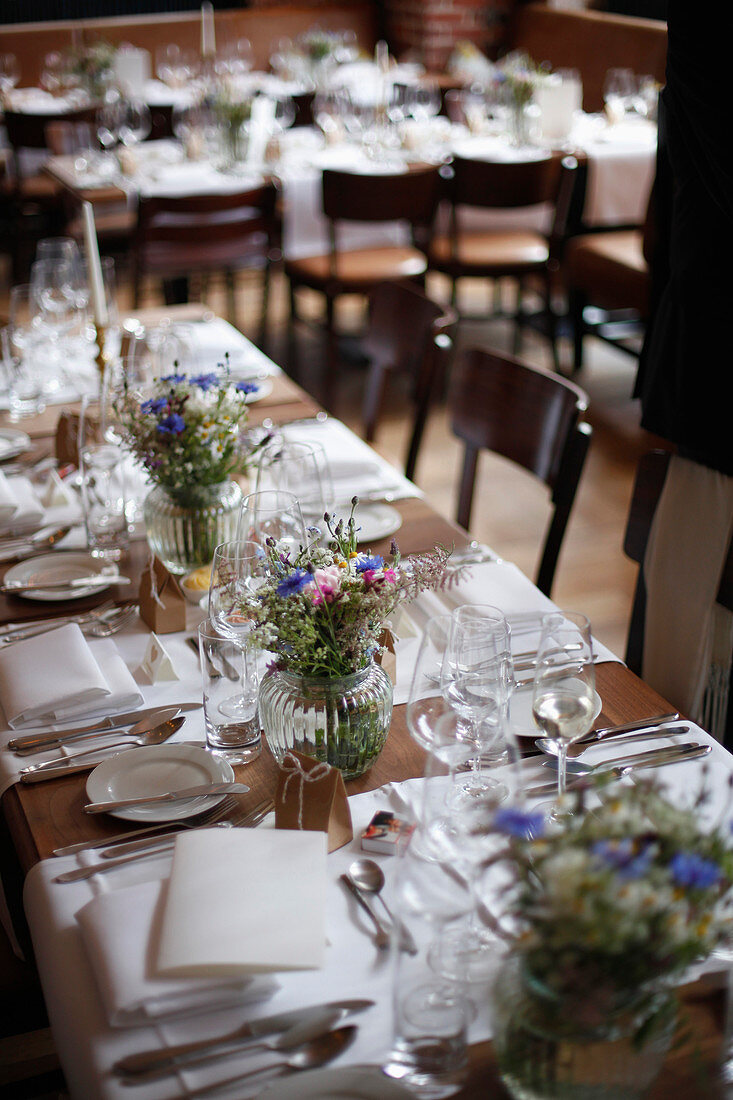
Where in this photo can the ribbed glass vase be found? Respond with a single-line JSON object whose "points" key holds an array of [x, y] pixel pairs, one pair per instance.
{"points": [[185, 536], [343, 721], [607, 1045]]}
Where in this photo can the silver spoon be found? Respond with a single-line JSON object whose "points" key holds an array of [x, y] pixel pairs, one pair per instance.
{"points": [[156, 736], [143, 725], [550, 747], [34, 544], [369, 877], [311, 1055], [581, 768]]}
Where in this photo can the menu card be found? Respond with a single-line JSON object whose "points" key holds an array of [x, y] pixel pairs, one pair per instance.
{"points": [[245, 902]]}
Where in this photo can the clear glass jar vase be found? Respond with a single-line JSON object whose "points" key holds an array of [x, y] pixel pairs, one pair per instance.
{"points": [[343, 720], [185, 536], [608, 1045]]}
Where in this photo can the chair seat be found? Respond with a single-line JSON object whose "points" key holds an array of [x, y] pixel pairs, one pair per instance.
{"points": [[489, 253], [610, 269], [109, 223], [358, 271]]}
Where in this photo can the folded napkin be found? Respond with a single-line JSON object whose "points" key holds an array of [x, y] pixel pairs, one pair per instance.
{"points": [[60, 676], [19, 504], [268, 915], [120, 930]]}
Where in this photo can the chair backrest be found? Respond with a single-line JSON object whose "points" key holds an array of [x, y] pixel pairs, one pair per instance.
{"points": [[412, 335], [503, 184], [530, 416], [406, 196], [178, 219], [28, 131]]}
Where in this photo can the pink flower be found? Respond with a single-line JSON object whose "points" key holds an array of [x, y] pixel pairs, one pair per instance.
{"points": [[390, 575], [327, 585]]}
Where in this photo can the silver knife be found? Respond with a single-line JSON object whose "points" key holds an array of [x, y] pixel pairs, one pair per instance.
{"points": [[203, 789], [627, 739], [113, 722], [665, 756], [74, 582], [254, 1029], [628, 727]]}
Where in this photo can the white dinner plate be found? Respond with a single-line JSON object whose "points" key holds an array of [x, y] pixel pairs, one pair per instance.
{"points": [[264, 389], [350, 1083], [59, 566], [522, 723], [376, 521], [155, 769], [12, 443]]}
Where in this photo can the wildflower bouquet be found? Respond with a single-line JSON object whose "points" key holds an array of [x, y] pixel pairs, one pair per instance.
{"points": [[322, 610], [185, 431], [92, 65], [517, 76], [618, 899]]}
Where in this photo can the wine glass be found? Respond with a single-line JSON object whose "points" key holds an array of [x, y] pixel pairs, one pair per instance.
{"points": [[272, 514], [301, 469], [109, 120], [424, 101], [477, 678], [619, 90], [9, 72], [238, 570], [563, 695], [135, 122]]}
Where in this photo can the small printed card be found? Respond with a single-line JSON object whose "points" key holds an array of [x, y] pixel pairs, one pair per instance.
{"points": [[383, 832], [157, 662]]}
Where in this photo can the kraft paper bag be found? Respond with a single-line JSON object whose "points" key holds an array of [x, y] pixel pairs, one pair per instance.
{"points": [[162, 602], [311, 795]]}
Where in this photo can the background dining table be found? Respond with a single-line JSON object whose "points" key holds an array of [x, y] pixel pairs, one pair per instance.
{"points": [[40, 818]]}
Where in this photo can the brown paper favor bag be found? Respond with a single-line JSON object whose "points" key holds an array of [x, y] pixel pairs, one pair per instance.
{"points": [[311, 795], [167, 613], [66, 440]]}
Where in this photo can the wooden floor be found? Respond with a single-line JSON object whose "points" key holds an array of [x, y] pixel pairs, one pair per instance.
{"points": [[510, 511]]}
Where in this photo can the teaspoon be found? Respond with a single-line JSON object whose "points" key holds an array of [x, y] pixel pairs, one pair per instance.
{"points": [[369, 877]]}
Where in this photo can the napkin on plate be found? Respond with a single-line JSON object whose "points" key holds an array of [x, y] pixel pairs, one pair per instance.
{"points": [[19, 505], [60, 676], [245, 902], [120, 930]]}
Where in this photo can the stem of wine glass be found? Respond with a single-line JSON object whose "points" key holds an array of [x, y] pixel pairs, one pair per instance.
{"points": [[562, 758]]}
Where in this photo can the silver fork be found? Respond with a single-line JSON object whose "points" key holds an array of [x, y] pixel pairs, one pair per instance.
{"points": [[104, 628], [20, 631]]}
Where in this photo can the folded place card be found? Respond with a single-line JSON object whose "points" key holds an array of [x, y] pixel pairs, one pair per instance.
{"points": [[121, 932], [242, 901], [19, 503], [157, 662], [60, 676]]}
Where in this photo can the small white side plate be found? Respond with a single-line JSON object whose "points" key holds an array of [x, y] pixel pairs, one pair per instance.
{"points": [[349, 1083], [264, 389], [13, 442], [155, 769], [59, 566], [376, 521], [521, 722]]}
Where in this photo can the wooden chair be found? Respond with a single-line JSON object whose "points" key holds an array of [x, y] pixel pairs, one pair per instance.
{"points": [[35, 205], [651, 474], [411, 335], [608, 283], [410, 197], [529, 416], [514, 254], [179, 235]]}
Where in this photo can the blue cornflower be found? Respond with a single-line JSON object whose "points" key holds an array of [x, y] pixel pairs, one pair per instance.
{"points": [[174, 379], [205, 381], [154, 405], [689, 869], [294, 582], [624, 856], [366, 562], [515, 822], [246, 387], [172, 425]]}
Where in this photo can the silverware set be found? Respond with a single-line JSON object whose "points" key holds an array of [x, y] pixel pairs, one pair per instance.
{"points": [[364, 880], [105, 620]]}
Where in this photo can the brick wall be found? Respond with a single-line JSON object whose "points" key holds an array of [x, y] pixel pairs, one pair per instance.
{"points": [[430, 28]]}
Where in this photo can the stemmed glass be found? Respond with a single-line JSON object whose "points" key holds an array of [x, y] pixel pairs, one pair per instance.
{"points": [[9, 73], [564, 696], [272, 514], [301, 469], [619, 90], [477, 678], [238, 569], [135, 122]]}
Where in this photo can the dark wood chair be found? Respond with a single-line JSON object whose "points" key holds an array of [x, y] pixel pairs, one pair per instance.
{"points": [[34, 200], [651, 474], [179, 235], [409, 335], [530, 416], [608, 282], [515, 254], [410, 197]]}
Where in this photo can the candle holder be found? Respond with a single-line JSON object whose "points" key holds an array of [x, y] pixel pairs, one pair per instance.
{"points": [[101, 356]]}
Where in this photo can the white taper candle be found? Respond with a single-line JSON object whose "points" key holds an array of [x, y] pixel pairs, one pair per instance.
{"points": [[94, 268]]}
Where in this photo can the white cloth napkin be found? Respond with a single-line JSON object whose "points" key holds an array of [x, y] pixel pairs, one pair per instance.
{"points": [[269, 915], [19, 504], [121, 930], [59, 676], [212, 340]]}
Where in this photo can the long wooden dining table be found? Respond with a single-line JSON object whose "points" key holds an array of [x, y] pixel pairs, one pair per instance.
{"points": [[42, 817]]}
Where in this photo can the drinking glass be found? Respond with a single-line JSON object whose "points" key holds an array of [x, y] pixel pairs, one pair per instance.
{"points": [[272, 514], [238, 570], [9, 72], [230, 697], [301, 469], [135, 122], [424, 101], [619, 90], [109, 120], [23, 380], [102, 486], [563, 695], [477, 678]]}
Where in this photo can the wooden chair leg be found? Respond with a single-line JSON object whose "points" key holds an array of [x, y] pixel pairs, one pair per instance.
{"points": [[264, 313], [518, 320], [229, 281], [576, 304], [551, 321], [465, 492], [293, 353], [373, 399]]}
